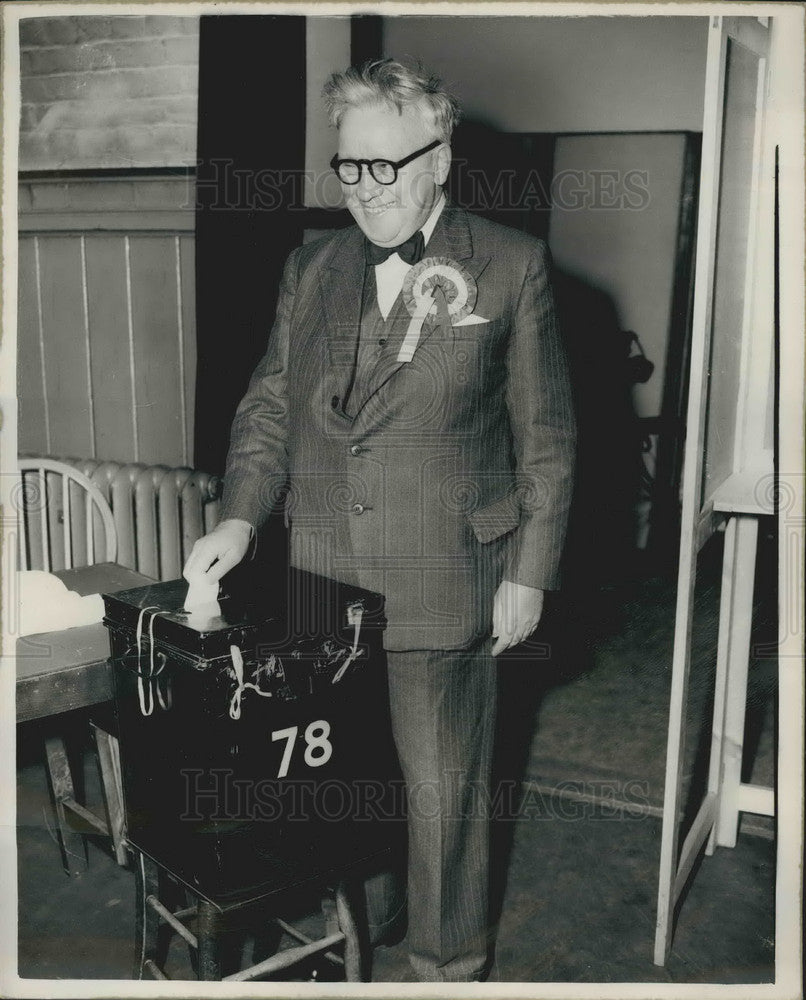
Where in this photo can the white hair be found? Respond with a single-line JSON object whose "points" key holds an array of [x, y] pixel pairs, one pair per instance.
{"points": [[385, 81]]}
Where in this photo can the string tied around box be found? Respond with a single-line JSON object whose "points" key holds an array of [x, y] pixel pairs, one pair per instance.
{"points": [[237, 665], [147, 682], [355, 616]]}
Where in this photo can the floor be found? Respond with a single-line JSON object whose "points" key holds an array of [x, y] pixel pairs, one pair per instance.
{"points": [[582, 719]]}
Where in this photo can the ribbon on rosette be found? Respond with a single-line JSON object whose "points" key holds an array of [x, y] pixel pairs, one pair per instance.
{"points": [[440, 287]]}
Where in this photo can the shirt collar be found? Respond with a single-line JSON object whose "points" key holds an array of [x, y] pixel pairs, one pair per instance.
{"points": [[430, 223]]}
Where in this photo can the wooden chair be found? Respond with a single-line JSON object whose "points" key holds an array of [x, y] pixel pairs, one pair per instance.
{"points": [[64, 518], [65, 522]]}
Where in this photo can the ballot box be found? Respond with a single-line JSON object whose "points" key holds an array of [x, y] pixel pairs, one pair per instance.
{"points": [[256, 747]]}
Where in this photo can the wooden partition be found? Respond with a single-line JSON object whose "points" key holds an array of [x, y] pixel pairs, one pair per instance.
{"points": [[107, 341], [728, 475]]}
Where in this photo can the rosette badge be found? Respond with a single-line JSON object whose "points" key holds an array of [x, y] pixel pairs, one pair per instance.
{"points": [[429, 284]]}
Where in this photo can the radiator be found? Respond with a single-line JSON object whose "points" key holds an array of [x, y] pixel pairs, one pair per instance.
{"points": [[159, 512]]}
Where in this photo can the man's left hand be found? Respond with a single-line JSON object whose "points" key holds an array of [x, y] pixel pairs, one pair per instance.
{"points": [[516, 614]]}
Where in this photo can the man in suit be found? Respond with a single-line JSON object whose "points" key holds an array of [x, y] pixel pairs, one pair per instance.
{"points": [[414, 402]]}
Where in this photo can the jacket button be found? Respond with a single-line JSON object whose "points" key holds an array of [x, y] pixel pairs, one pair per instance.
{"points": [[357, 508], [335, 402], [355, 449]]}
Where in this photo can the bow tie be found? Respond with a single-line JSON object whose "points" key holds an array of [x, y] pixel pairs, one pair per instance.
{"points": [[411, 250]]}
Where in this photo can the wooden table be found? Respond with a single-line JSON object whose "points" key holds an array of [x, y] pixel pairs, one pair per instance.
{"points": [[68, 669]]}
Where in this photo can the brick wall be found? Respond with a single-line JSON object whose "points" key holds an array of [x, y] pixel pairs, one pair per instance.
{"points": [[108, 92]]}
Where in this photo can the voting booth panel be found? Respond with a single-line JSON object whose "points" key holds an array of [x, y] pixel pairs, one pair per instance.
{"points": [[256, 746], [728, 472]]}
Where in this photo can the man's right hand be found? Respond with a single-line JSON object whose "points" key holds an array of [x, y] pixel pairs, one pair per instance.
{"points": [[219, 551]]}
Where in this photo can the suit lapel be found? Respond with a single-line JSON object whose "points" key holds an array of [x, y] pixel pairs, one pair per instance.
{"points": [[451, 238], [341, 281]]}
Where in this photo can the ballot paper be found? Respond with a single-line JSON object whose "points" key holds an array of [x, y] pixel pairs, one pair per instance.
{"points": [[201, 601], [47, 605]]}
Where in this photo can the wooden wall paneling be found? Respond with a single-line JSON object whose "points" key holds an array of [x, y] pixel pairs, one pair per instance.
{"points": [[187, 277], [65, 339], [109, 347], [156, 349], [97, 312], [87, 351], [34, 432]]}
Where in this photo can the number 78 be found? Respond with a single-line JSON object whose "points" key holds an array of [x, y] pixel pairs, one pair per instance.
{"points": [[318, 748]]}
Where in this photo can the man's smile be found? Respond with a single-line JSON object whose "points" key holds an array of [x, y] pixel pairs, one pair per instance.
{"points": [[377, 209]]}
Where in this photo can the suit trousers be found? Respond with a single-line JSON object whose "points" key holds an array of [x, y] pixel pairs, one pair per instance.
{"points": [[443, 720]]}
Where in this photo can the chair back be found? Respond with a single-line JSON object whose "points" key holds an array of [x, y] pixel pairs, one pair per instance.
{"points": [[64, 519]]}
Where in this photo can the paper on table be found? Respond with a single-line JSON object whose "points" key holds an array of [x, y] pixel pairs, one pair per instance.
{"points": [[46, 604]]}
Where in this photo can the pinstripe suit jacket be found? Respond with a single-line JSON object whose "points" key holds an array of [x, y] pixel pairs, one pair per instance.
{"points": [[453, 470]]}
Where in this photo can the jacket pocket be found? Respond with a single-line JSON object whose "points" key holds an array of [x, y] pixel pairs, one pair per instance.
{"points": [[496, 519]]}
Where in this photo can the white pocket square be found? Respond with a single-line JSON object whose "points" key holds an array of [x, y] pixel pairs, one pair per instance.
{"points": [[470, 320]]}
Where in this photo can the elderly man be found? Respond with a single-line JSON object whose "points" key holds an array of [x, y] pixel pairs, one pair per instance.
{"points": [[414, 402]]}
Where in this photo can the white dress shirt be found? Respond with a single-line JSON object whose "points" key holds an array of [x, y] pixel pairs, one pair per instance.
{"points": [[390, 275]]}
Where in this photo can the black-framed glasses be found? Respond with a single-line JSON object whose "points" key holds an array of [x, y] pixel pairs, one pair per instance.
{"points": [[383, 171]]}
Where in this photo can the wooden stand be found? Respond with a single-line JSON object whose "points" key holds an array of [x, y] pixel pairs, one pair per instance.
{"points": [[728, 478], [725, 788]]}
